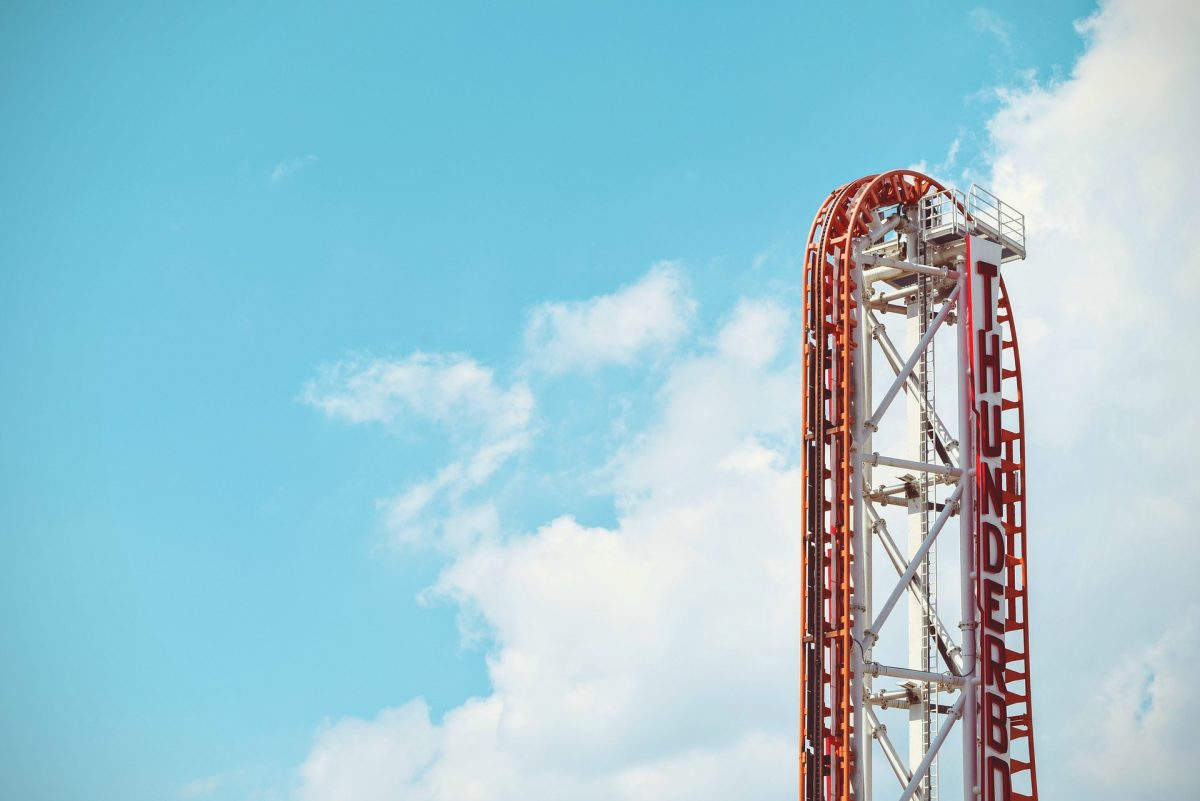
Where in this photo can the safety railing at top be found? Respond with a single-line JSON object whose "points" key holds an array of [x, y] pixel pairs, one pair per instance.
{"points": [[977, 211]]}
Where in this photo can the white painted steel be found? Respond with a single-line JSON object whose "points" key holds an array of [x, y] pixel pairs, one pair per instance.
{"points": [[912, 674], [914, 564], [893, 268], [905, 371], [892, 357], [891, 698], [882, 228], [908, 464], [966, 551], [879, 527]]}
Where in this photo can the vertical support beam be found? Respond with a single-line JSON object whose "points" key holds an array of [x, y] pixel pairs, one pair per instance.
{"points": [[918, 656], [966, 544]]}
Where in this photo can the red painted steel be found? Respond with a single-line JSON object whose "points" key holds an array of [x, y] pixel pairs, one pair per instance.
{"points": [[1018, 691]]}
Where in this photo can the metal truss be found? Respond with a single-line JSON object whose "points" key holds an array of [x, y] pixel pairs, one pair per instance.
{"points": [[898, 245]]}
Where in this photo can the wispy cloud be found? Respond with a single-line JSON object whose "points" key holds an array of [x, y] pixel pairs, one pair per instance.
{"points": [[987, 21], [290, 167], [489, 423], [1142, 714], [446, 388]]}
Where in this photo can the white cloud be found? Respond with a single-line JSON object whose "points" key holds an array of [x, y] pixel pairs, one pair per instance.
{"points": [[1144, 714], [369, 760], [754, 333], [290, 167], [649, 316], [1103, 163], [646, 661]]}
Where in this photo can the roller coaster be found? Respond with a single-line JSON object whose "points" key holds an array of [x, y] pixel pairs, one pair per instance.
{"points": [[899, 249]]}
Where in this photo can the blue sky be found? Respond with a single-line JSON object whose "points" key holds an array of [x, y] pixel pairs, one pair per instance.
{"points": [[204, 205]]}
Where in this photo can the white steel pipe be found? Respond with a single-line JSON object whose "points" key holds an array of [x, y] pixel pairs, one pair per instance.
{"points": [[876, 274], [924, 676], [887, 308], [894, 489], [881, 274], [908, 464], [905, 371], [872, 634], [888, 698], [880, 228], [889, 264], [966, 549], [895, 294]]}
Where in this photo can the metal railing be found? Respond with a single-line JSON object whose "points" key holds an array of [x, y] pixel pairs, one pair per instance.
{"points": [[976, 211]]}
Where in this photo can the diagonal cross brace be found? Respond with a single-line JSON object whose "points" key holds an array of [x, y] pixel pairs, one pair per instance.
{"points": [[934, 747], [872, 634], [940, 433], [951, 652], [872, 422], [879, 732]]}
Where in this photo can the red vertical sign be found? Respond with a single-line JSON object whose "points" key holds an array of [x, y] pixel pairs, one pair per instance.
{"points": [[986, 357]]}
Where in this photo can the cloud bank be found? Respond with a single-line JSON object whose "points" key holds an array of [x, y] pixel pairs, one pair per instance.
{"points": [[649, 660], [1104, 166]]}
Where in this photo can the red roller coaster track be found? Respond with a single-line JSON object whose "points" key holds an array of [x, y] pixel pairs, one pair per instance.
{"points": [[835, 722]]}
